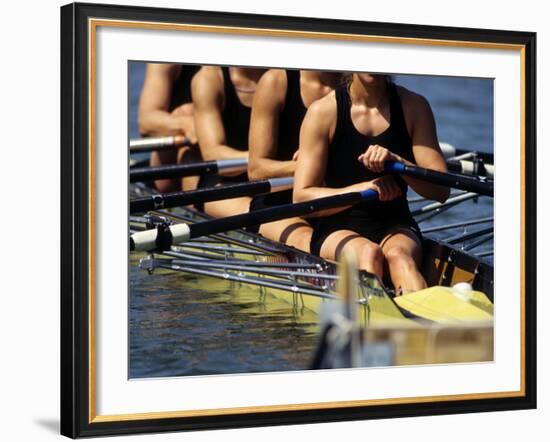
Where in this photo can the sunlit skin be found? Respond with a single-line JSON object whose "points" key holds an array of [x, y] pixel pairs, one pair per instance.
{"points": [[208, 99], [400, 251], [155, 119], [268, 105]]}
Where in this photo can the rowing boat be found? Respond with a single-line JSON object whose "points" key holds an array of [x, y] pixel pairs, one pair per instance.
{"points": [[344, 342], [308, 282]]}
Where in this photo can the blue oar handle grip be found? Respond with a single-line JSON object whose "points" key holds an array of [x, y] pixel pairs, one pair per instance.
{"points": [[394, 167], [369, 194]]}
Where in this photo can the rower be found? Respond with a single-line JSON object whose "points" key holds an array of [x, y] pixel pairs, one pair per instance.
{"points": [[166, 108], [346, 138], [280, 104], [222, 99]]}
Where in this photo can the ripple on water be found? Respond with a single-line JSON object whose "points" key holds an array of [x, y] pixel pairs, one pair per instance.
{"points": [[182, 325]]}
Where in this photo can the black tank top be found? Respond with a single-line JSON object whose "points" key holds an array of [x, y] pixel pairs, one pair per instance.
{"points": [[343, 168], [291, 118], [181, 89], [235, 116], [290, 122]]}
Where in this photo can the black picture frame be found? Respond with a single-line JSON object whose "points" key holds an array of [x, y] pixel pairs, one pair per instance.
{"points": [[76, 420]]}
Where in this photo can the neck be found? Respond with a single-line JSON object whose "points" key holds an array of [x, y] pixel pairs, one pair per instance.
{"points": [[248, 73], [245, 80], [370, 94]]}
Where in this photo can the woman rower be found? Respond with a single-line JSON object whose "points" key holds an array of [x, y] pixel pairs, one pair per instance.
{"points": [[279, 107], [222, 99], [166, 108], [346, 137]]}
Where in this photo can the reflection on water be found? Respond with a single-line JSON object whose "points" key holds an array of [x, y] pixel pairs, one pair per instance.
{"points": [[185, 325]]}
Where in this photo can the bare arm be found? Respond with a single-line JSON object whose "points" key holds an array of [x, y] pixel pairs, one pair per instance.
{"points": [[264, 127], [315, 136], [426, 150], [208, 101], [154, 117]]}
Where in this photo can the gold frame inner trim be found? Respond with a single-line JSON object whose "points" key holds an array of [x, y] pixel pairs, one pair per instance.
{"points": [[93, 24]]}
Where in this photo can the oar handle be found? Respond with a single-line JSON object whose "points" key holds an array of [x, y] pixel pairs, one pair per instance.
{"points": [[448, 179], [369, 195], [158, 143]]}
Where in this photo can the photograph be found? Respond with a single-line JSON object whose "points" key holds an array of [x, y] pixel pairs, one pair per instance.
{"points": [[272, 220], [247, 186]]}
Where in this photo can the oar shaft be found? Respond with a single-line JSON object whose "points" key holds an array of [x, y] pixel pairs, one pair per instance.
{"points": [[162, 238], [176, 199], [157, 143], [262, 216], [448, 179], [471, 168], [451, 153], [182, 170]]}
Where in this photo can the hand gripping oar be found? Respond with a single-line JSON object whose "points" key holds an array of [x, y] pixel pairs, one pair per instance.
{"points": [[471, 184], [158, 143], [163, 237], [178, 199], [182, 170]]}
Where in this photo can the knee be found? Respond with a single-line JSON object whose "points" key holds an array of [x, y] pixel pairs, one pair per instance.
{"points": [[399, 257], [371, 254]]}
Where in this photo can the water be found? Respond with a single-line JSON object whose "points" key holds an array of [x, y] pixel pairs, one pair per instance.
{"points": [[183, 325], [177, 328]]}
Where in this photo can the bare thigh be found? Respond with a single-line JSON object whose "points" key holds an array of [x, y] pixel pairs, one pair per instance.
{"points": [[343, 240], [295, 232], [229, 207]]}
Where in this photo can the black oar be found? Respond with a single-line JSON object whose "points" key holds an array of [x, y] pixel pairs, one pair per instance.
{"points": [[158, 143], [164, 237], [182, 170], [463, 182], [176, 199]]}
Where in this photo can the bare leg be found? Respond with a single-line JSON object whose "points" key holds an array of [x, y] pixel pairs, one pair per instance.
{"points": [[295, 232], [229, 207], [403, 253], [368, 253]]}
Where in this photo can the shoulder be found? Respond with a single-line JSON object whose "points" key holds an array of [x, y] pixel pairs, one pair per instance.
{"points": [[275, 78], [272, 88], [207, 83], [323, 108], [322, 114], [209, 75], [163, 70], [416, 108], [412, 102]]}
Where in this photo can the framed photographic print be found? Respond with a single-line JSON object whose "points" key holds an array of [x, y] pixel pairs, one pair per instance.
{"points": [[274, 220]]}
